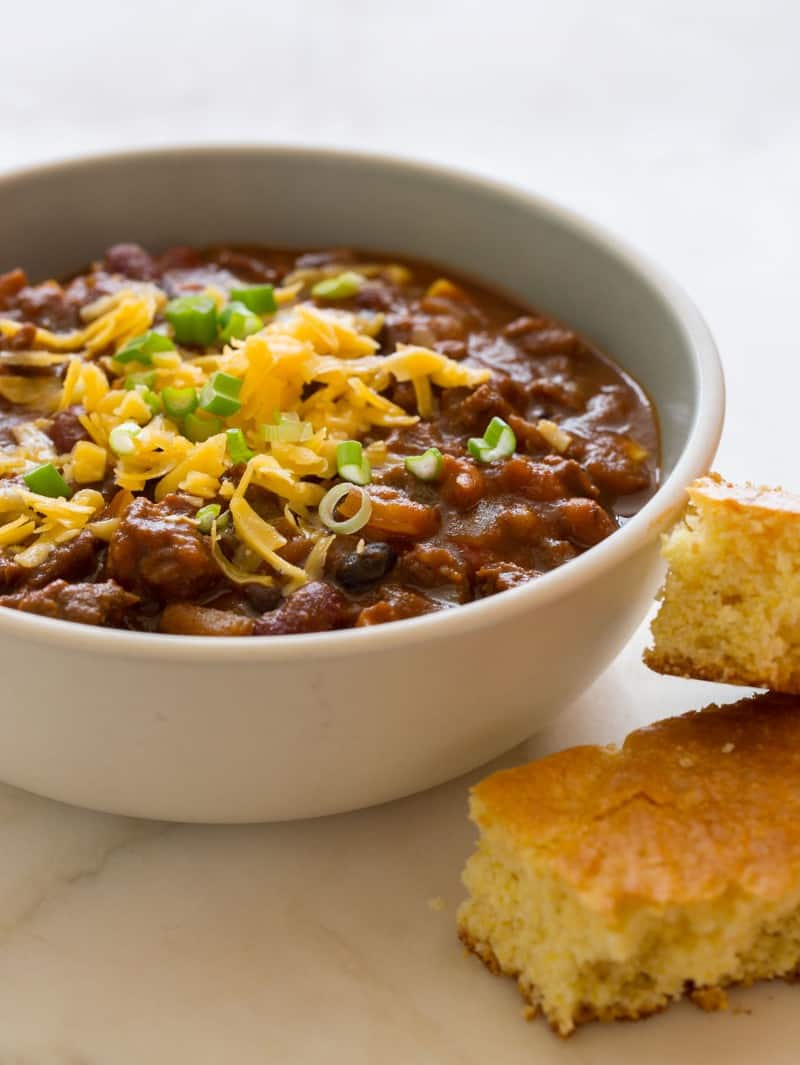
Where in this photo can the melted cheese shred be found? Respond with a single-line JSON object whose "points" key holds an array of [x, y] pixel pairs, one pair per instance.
{"points": [[113, 319], [320, 366]]}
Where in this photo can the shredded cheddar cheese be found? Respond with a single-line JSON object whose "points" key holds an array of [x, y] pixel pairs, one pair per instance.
{"points": [[311, 366], [113, 319]]}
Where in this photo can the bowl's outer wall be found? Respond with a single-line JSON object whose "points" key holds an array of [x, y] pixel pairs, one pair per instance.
{"points": [[268, 740], [191, 742]]}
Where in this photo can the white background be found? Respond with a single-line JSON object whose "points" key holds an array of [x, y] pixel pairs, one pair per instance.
{"points": [[676, 124]]}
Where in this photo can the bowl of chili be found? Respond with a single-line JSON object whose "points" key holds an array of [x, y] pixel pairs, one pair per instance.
{"points": [[402, 440]]}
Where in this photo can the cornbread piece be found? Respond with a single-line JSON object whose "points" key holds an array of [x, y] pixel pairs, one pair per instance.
{"points": [[612, 882], [731, 603]]}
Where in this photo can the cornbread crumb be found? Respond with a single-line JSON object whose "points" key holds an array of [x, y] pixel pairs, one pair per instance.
{"points": [[710, 999], [611, 884], [730, 608]]}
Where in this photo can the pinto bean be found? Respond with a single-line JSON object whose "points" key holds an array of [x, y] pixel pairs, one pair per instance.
{"points": [[188, 619]]}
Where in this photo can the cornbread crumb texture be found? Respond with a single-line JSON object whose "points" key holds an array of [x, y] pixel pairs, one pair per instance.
{"points": [[730, 607], [612, 883]]}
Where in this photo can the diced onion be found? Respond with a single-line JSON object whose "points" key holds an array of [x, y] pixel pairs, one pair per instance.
{"points": [[329, 502]]}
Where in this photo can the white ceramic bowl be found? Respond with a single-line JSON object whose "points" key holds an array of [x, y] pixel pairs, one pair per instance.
{"points": [[194, 729]]}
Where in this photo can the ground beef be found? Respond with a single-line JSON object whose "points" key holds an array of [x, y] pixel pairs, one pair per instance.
{"points": [[10, 284], [101, 603], [157, 551], [607, 458], [22, 340], [396, 604], [66, 430], [47, 306], [313, 260], [584, 522], [11, 573], [499, 577], [131, 261], [434, 566], [74, 560], [248, 267], [317, 607]]}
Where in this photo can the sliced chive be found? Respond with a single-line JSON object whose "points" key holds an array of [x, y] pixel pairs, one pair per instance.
{"points": [[198, 429], [341, 287], [219, 395], [237, 446], [142, 349], [427, 466], [236, 322], [352, 464], [206, 516], [260, 299], [498, 442], [194, 319], [45, 480], [178, 402]]}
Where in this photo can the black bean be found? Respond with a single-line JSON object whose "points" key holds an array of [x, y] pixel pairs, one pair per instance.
{"points": [[262, 598], [365, 567]]}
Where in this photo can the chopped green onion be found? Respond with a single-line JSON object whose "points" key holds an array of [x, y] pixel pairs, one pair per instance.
{"points": [[219, 395], [427, 466], [237, 446], [287, 429], [146, 378], [198, 429], [260, 299], [237, 322], [178, 402], [223, 521], [142, 349], [331, 499], [206, 516], [194, 319], [121, 438], [352, 464], [152, 399], [45, 480], [338, 288], [498, 442]]}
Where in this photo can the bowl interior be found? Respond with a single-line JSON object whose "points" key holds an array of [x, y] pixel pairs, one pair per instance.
{"points": [[58, 218]]}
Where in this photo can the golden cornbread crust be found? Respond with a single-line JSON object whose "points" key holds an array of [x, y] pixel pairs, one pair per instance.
{"points": [[721, 785], [730, 609], [611, 883]]}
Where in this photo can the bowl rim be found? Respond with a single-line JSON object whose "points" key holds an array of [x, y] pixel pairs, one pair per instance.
{"points": [[694, 459]]}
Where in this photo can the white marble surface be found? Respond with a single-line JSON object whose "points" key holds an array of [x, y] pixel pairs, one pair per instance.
{"points": [[675, 123]]}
